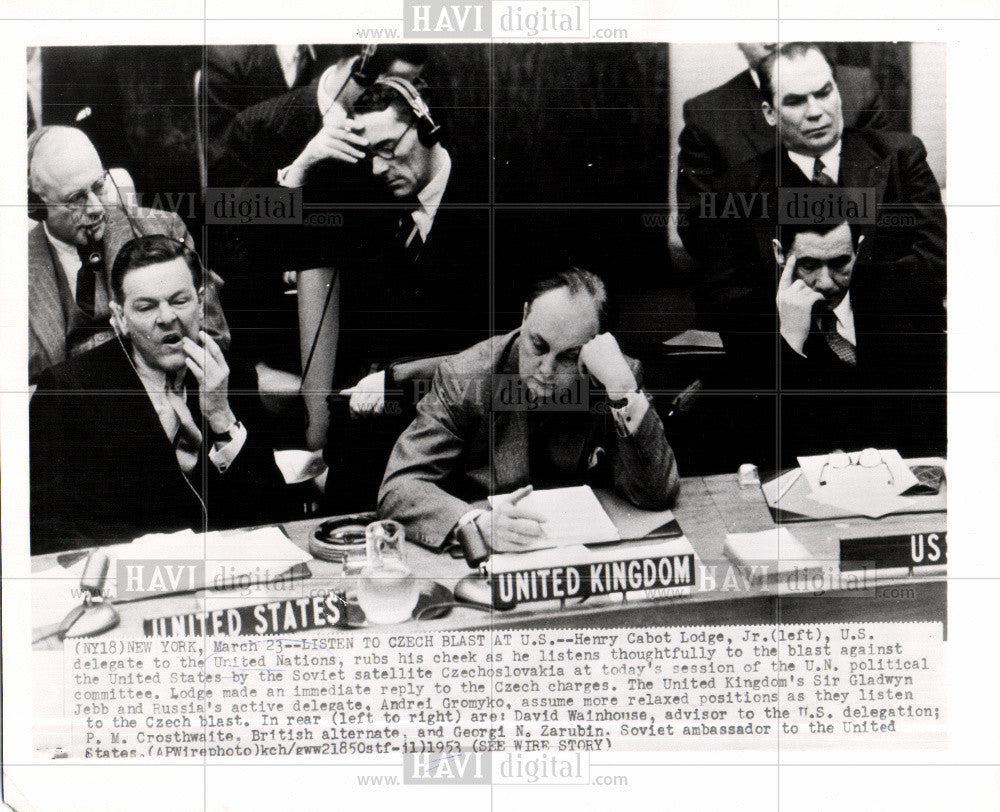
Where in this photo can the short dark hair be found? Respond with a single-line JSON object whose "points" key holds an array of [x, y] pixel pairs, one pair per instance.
{"points": [[381, 97], [151, 249], [790, 50], [385, 55], [789, 231], [576, 280]]}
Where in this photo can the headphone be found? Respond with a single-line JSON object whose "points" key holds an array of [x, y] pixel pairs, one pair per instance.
{"points": [[428, 132], [37, 210]]}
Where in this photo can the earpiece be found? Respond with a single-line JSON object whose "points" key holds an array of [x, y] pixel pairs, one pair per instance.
{"points": [[37, 210], [428, 132]]}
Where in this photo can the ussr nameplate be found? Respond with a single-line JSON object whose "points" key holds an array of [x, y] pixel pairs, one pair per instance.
{"points": [[909, 550], [328, 610]]}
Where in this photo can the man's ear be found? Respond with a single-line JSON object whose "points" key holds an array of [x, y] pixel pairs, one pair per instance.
{"points": [[118, 318], [770, 116], [779, 253]]}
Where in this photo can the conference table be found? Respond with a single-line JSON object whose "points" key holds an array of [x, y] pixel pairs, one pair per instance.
{"points": [[707, 508]]}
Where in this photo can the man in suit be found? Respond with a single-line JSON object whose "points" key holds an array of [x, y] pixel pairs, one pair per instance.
{"points": [[879, 179], [519, 410], [725, 126], [414, 281], [149, 432], [302, 139], [83, 223], [852, 370], [237, 77]]}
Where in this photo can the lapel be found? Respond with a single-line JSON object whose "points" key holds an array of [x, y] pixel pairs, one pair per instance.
{"points": [[759, 135], [863, 168], [45, 314], [141, 421], [270, 66], [509, 428]]}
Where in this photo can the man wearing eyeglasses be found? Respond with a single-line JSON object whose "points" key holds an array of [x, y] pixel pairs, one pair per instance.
{"points": [[82, 223], [852, 370], [415, 278]]}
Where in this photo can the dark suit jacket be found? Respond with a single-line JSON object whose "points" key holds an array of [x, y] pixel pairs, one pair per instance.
{"points": [[46, 316], [236, 77], [725, 127], [897, 294], [462, 448], [103, 470]]}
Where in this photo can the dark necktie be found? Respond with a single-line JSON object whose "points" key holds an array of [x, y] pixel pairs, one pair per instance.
{"points": [[187, 440], [841, 347], [91, 264], [820, 178], [408, 238]]}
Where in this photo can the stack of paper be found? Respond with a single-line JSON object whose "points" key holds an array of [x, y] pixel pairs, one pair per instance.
{"points": [[572, 515]]}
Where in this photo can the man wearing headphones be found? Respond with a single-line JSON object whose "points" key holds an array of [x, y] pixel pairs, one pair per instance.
{"points": [[83, 222], [151, 431], [415, 275]]}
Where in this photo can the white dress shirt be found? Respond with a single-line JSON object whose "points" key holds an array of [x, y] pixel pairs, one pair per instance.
{"points": [[288, 56], [830, 159], [430, 196], [66, 254]]}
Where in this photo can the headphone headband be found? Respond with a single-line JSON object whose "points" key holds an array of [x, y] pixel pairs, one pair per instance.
{"points": [[428, 131]]}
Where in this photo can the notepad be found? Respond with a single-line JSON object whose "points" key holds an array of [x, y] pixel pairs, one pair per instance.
{"points": [[572, 515]]}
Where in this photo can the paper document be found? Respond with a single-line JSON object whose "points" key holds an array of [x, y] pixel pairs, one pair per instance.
{"points": [[572, 515], [165, 563], [769, 553], [890, 478]]}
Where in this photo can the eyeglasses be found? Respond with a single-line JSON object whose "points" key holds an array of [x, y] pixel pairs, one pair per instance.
{"points": [[868, 458], [388, 152], [80, 199]]}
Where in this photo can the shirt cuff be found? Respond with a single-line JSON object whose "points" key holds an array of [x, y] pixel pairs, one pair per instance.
{"points": [[282, 178], [469, 516], [224, 456], [629, 417]]}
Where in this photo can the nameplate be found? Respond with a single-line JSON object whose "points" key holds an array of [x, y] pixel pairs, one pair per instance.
{"points": [[274, 617], [886, 552], [575, 581]]}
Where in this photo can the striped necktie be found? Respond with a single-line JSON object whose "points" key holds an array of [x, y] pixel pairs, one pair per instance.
{"points": [[841, 347], [820, 178]]}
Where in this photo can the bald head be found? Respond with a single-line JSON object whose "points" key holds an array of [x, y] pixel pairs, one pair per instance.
{"points": [[66, 172]]}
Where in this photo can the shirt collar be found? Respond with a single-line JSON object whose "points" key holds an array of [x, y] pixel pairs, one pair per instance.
{"points": [[153, 379], [830, 159], [755, 76], [67, 252], [844, 312], [288, 56], [430, 196]]}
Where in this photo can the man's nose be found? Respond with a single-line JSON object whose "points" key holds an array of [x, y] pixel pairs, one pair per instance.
{"points": [[165, 313], [379, 166], [813, 108], [547, 364], [823, 282], [94, 204]]}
